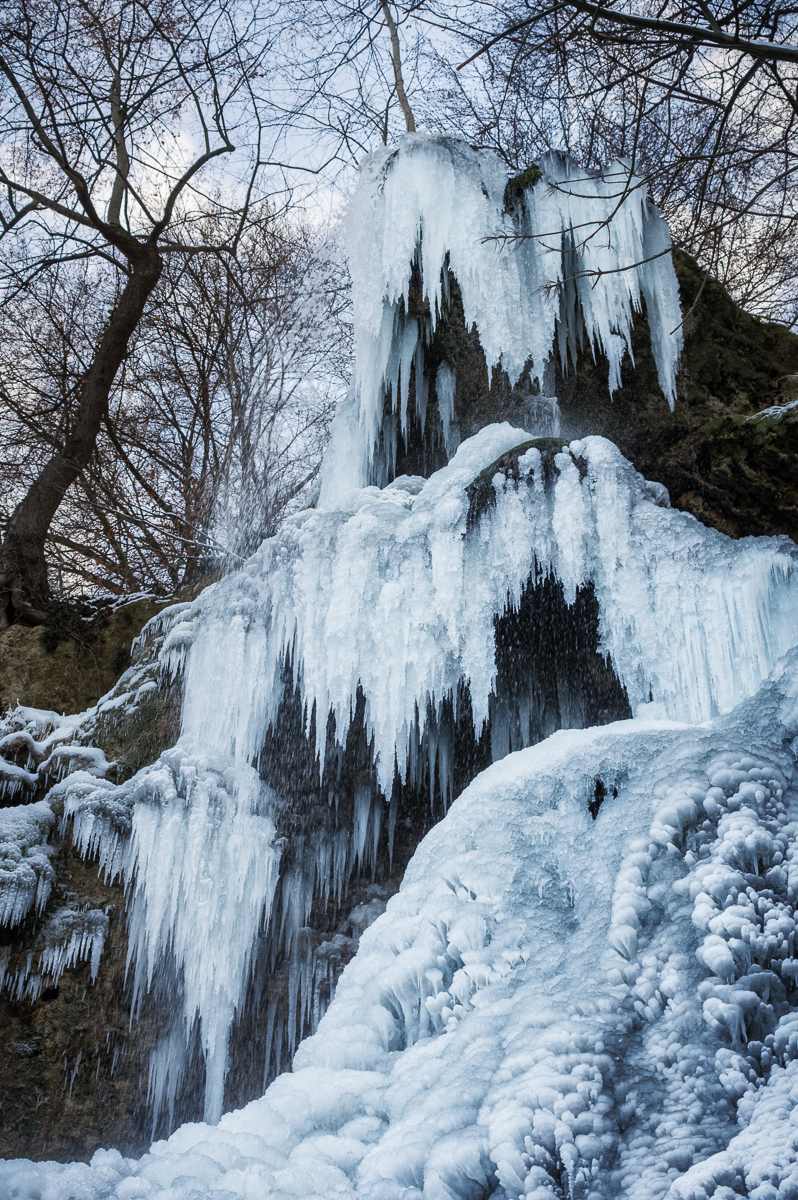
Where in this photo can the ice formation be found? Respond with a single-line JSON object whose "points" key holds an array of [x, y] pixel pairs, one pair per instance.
{"points": [[26, 874], [398, 595], [592, 249], [587, 986], [68, 936], [553, 1005], [46, 740]]}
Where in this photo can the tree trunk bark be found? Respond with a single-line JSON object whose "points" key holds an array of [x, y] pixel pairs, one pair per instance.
{"points": [[24, 586]]}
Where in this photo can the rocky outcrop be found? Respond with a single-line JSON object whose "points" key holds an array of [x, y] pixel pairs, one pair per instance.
{"points": [[69, 663], [72, 1067], [728, 453]]}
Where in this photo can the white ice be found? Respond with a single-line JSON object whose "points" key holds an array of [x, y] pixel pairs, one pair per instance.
{"points": [[398, 594], [67, 937], [26, 873], [592, 249], [44, 738], [551, 1002], [552, 1005]]}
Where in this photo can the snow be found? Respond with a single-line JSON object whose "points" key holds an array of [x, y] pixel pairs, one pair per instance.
{"points": [[592, 250], [26, 873], [775, 412], [496, 1033], [42, 736]]}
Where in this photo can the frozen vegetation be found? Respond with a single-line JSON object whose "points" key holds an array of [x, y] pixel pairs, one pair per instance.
{"points": [[587, 986]]}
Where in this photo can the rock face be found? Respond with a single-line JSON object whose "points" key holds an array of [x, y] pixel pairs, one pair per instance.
{"points": [[737, 474], [73, 1069], [68, 664]]}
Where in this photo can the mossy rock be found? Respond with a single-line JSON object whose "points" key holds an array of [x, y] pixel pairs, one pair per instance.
{"points": [[70, 663], [736, 475], [518, 184]]}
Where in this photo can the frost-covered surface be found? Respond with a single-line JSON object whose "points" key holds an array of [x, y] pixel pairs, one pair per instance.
{"points": [[436, 201], [43, 740], [775, 412], [26, 873], [67, 937], [552, 1006]]}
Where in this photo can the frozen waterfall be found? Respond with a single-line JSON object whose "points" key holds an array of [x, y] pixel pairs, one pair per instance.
{"points": [[586, 986], [587, 252]]}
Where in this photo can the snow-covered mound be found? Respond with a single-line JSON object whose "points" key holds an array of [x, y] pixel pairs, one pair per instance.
{"points": [[556, 1004]]}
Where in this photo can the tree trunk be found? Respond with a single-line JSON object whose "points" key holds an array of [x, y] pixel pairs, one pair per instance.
{"points": [[24, 586]]}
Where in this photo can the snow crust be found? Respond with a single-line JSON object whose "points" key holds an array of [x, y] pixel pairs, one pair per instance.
{"points": [[585, 251], [552, 1005]]}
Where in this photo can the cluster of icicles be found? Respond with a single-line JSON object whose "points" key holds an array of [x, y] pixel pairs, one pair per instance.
{"points": [[395, 591], [538, 272], [398, 596]]}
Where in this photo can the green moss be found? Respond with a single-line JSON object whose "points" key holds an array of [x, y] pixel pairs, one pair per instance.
{"points": [[73, 660], [527, 178], [514, 191]]}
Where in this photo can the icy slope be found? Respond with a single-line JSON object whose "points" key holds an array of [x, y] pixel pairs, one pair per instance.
{"points": [[552, 1006]]}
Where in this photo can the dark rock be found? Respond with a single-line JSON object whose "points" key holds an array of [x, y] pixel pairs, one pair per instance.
{"points": [[735, 474]]}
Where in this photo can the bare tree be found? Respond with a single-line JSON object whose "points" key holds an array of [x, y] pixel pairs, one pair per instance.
{"points": [[216, 419], [347, 67], [700, 96], [396, 61], [111, 114]]}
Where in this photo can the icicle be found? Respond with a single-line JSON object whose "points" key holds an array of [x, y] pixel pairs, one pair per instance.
{"points": [[439, 204], [202, 870], [362, 812], [444, 390]]}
